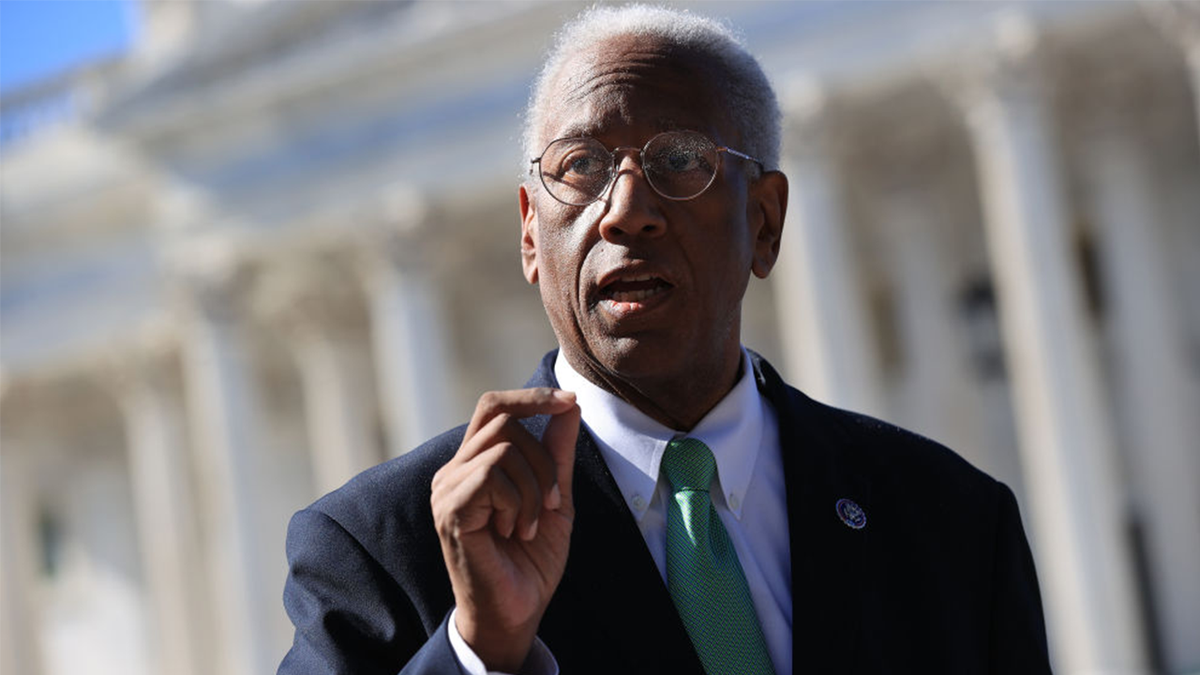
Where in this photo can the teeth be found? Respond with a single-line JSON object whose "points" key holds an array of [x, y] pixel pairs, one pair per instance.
{"points": [[635, 296], [639, 277]]}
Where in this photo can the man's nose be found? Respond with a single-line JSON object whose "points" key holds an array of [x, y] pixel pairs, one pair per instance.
{"points": [[634, 208]]}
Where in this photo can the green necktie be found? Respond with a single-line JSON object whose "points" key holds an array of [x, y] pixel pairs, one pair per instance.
{"points": [[703, 573]]}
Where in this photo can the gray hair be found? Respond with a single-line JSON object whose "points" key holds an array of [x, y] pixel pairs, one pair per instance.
{"points": [[752, 104]]}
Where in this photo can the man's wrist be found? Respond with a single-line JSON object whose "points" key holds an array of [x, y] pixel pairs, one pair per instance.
{"points": [[538, 660], [502, 649]]}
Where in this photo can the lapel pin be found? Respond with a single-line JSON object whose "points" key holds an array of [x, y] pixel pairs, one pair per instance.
{"points": [[851, 514]]}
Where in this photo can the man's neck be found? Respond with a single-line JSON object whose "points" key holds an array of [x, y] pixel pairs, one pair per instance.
{"points": [[677, 402]]}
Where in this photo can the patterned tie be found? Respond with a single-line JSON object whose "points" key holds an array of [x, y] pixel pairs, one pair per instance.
{"points": [[703, 573]]}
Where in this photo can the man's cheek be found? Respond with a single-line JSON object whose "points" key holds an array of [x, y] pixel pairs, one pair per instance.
{"points": [[590, 216], [574, 223]]}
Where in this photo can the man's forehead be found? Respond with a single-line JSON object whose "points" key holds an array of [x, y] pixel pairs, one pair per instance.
{"points": [[602, 85], [595, 126]]}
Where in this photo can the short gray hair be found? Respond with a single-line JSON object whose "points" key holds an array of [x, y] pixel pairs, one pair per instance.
{"points": [[753, 108]]}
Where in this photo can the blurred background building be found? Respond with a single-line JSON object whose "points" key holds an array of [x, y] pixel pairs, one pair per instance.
{"points": [[277, 242]]}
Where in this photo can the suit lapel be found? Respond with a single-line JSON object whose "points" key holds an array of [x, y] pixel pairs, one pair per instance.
{"points": [[612, 596], [612, 575], [611, 612], [827, 555]]}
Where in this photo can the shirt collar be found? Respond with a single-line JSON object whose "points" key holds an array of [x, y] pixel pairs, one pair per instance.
{"points": [[632, 443]]}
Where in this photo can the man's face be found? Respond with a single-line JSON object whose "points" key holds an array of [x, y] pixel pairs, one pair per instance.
{"points": [[637, 286]]}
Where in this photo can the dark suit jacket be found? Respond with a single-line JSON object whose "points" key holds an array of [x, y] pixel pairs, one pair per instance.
{"points": [[940, 579]]}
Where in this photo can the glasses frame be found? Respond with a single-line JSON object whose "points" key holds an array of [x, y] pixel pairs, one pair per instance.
{"points": [[615, 153]]}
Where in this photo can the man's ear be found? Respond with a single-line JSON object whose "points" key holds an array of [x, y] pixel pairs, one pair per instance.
{"points": [[767, 206], [528, 235]]}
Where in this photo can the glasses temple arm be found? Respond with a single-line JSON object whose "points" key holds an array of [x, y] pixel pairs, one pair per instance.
{"points": [[737, 153]]}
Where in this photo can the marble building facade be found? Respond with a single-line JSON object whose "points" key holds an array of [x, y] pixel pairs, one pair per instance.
{"points": [[277, 243]]}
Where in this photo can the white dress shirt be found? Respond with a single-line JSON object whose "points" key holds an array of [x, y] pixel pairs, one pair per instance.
{"points": [[748, 492]]}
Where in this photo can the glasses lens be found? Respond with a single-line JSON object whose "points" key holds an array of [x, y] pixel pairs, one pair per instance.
{"points": [[576, 170], [680, 164]]}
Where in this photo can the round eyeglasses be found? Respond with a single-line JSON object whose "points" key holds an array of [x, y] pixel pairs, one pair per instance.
{"points": [[679, 165]]}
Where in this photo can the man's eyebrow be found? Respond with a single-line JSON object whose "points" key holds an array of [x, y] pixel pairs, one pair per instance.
{"points": [[578, 130], [592, 129]]}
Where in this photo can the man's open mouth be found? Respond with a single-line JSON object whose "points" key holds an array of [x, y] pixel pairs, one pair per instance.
{"points": [[627, 294], [633, 289]]}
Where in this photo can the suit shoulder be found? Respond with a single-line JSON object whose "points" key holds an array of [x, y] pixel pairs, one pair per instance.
{"points": [[396, 489], [368, 554], [893, 454], [919, 490]]}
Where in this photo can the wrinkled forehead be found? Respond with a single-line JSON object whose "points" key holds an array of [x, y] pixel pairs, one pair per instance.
{"points": [[632, 79]]}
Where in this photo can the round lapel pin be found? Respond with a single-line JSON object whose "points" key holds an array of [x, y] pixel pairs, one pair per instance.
{"points": [[851, 514]]}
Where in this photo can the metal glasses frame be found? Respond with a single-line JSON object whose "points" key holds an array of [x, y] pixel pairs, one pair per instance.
{"points": [[613, 172]]}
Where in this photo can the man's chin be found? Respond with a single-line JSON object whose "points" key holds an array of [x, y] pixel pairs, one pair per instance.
{"points": [[639, 358]]}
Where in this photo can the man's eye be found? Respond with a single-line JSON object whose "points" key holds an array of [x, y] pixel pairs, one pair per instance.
{"points": [[582, 165], [678, 160]]}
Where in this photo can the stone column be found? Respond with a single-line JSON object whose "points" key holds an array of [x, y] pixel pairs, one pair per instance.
{"points": [[937, 396], [165, 509], [322, 315], [219, 385], [1079, 512], [821, 307], [1179, 20], [1193, 61], [1150, 358], [416, 374], [926, 332], [926, 254], [20, 618]]}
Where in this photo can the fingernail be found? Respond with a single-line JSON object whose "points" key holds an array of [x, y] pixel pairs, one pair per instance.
{"points": [[567, 396], [555, 499], [531, 532]]}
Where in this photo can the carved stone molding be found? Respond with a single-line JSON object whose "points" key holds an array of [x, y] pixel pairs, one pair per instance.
{"points": [[905, 144], [319, 292], [151, 358], [1179, 20], [209, 274], [1006, 67], [807, 112]]}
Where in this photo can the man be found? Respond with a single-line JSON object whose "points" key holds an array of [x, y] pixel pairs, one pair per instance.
{"points": [[705, 517]]}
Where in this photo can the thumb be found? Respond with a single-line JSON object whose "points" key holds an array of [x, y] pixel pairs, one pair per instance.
{"points": [[559, 439]]}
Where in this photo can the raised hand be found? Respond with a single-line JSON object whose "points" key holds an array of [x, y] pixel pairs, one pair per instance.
{"points": [[503, 510]]}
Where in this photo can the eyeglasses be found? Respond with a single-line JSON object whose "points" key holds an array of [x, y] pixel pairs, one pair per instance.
{"points": [[679, 165]]}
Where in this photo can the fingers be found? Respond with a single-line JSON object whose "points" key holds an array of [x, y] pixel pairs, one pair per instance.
{"points": [[505, 429], [499, 487], [559, 440], [513, 466], [471, 497], [503, 474], [519, 403]]}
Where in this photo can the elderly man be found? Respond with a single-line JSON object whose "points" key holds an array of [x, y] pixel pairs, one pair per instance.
{"points": [[705, 517]]}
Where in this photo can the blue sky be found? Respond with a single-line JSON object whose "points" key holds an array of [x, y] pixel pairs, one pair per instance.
{"points": [[40, 38]]}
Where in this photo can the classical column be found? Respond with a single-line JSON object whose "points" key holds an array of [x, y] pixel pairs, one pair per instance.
{"points": [[1150, 358], [165, 508], [1079, 512], [20, 644], [1180, 21], [821, 307], [1193, 61], [925, 330], [937, 395], [218, 376], [935, 387], [322, 316], [416, 375]]}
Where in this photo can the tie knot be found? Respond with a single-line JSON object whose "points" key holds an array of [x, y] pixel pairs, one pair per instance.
{"points": [[688, 464]]}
